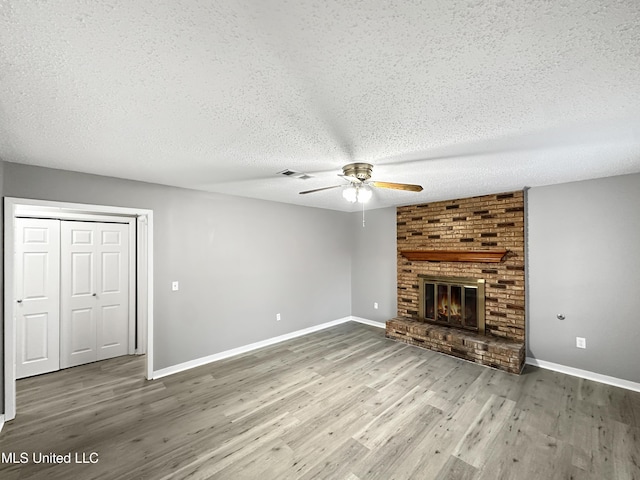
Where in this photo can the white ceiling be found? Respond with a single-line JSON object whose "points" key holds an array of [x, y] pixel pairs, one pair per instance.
{"points": [[464, 97]]}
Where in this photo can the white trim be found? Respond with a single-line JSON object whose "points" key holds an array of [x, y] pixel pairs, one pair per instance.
{"points": [[33, 212], [14, 205], [1, 422], [147, 261], [246, 348], [9, 315], [576, 372], [20, 203], [368, 322], [141, 282], [133, 300]]}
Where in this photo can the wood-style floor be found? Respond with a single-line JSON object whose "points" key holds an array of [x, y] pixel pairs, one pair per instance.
{"points": [[343, 403]]}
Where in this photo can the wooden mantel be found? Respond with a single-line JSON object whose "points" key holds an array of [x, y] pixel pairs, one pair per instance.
{"points": [[475, 256]]}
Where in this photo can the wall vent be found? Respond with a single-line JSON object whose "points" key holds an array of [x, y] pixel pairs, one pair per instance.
{"points": [[293, 174]]}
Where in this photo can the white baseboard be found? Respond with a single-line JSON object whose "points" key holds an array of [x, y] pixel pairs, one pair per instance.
{"points": [[1, 422], [368, 322], [246, 348], [616, 382], [576, 372]]}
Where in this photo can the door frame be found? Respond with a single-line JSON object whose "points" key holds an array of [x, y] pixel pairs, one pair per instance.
{"points": [[141, 218]]}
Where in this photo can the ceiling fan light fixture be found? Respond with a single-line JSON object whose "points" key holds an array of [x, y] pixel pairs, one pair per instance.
{"points": [[364, 194], [350, 194]]}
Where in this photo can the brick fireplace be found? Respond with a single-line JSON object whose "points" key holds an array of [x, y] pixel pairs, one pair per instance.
{"points": [[446, 250]]}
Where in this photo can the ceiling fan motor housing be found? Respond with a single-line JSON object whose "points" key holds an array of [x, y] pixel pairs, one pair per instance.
{"points": [[361, 171]]}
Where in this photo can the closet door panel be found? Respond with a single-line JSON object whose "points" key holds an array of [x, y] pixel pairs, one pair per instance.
{"points": [[78, 294], [113, 290], [37, 264]]}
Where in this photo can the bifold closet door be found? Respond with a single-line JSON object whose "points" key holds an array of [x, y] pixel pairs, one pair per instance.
{"points": [[94, 292], [37, 275]]}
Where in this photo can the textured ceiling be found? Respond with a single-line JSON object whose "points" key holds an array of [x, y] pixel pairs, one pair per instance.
{"points": [[464, 97]]}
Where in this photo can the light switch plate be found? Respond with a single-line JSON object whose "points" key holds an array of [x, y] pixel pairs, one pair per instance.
{"points": [[175, 286]]}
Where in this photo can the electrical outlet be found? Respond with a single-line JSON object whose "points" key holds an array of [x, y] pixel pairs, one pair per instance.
{"points": [[175, 286], [581, 342], [277, 317], [375, 305]]}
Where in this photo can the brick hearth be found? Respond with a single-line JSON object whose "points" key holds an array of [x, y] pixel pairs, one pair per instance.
{"points": [[472, 224], [490, 351]]}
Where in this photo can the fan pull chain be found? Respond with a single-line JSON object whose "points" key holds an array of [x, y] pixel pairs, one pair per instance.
{"points": [[363, 215]]}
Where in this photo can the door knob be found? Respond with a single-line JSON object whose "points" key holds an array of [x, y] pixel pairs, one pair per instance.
{"points": [[19, 301], [94, 295]]}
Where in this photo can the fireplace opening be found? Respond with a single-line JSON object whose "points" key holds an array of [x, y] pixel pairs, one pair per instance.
{"points": [[456, 302]]}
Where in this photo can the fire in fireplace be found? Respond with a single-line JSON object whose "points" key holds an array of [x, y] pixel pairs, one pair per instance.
{"points": [[456, 302]]}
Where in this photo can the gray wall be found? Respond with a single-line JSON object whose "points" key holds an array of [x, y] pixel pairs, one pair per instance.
{"points": [[374, 265], [2, 289], [239, 261], [584, 262]]}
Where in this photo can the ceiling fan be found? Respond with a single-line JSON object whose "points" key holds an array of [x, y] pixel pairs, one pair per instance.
{"points": [[358, 174]]}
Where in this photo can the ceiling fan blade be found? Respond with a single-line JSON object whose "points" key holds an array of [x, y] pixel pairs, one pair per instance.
{"points": [[397, 186], [320, 189], [350, 178]]}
